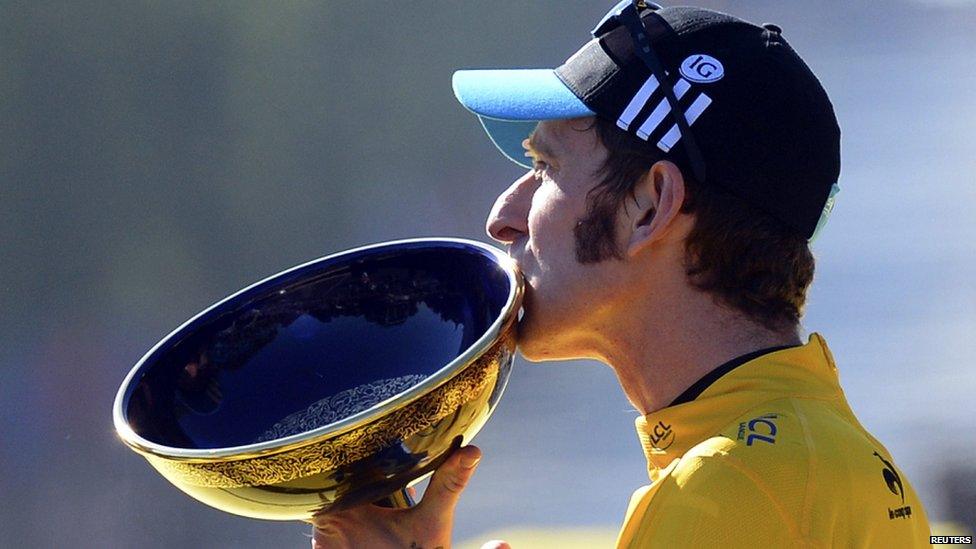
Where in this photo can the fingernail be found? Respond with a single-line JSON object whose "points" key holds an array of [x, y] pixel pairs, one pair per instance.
{"points": [[468, 462]]}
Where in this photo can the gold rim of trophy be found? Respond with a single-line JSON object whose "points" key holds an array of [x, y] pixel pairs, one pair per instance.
{"points": [[508, 315]]}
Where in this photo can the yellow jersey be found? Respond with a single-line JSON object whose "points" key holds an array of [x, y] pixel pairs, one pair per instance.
{"points": [[770, 455]]}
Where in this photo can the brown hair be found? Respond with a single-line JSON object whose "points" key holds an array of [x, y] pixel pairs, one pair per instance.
{"points": [[747, 259]]}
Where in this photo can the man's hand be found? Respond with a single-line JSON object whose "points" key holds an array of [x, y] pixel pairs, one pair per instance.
{"points": [[428, 525]]}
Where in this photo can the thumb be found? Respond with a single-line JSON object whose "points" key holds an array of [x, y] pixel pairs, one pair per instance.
{"points": [[449, 481]]}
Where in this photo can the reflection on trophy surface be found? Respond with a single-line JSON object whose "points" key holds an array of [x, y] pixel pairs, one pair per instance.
{"points": [[332, 384]]}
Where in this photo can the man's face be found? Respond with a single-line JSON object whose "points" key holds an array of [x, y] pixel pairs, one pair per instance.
{"points": [[537, 217]]}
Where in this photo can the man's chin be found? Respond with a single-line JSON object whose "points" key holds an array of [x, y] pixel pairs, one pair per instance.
{"points": [[535, 356], [531, 346], [535, 341]]}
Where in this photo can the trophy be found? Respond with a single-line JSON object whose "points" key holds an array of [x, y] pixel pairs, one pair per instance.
{"points": [[335, 383]]}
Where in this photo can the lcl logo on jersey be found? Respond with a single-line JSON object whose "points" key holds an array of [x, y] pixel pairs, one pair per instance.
{"points": [[762, 428], [703, 69], [662, 437]]}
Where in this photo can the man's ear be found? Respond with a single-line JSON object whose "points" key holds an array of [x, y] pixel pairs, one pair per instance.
{"points": [[657, 201]]}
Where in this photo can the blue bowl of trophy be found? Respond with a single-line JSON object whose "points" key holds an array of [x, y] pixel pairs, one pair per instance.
{"points": [[333, 384]]}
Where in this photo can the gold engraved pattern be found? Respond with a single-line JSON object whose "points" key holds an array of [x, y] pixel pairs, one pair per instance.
{"points": [[340, 406], [361, 442]]}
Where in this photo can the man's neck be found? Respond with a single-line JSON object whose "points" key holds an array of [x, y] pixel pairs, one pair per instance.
{"points": [[657, 360]]}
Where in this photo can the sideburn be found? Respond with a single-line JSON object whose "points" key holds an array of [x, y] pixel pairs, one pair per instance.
{"points": [[596, 234]]}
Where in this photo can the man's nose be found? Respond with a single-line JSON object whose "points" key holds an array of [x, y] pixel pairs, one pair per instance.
{"points": [[509, 217]]}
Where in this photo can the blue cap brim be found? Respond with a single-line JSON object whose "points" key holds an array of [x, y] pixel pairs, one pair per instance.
{"points": [[510, 103]]}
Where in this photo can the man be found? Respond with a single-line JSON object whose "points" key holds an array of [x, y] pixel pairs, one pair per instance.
{"points": [[680, 164]]}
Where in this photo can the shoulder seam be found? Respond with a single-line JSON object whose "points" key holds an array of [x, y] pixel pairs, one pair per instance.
{"points": [[807, 509]]}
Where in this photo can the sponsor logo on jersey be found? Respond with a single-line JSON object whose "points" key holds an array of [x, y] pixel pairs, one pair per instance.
{"points": [[893, 481], [759, 429], [662, 437]]}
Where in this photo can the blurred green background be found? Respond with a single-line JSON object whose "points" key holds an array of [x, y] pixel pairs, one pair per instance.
{"points": [[157, 156]]}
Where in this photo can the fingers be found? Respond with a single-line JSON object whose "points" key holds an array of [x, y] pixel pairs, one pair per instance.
{"points": [[430, 521], [449, 481]]}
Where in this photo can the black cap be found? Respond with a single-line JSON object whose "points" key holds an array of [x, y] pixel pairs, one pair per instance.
{"points": [[763, 123]]}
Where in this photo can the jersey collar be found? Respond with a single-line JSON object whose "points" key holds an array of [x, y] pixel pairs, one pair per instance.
{"points": [[806, 371]]}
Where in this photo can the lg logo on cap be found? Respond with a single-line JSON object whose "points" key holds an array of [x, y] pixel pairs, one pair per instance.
{"points": [[702, 69]]}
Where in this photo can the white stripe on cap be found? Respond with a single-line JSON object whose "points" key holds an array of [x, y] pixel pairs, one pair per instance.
{"points": [[691, 114], [637, 103], [661, 110]]}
